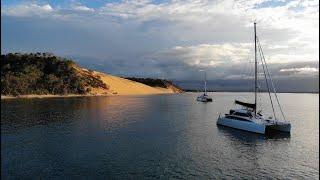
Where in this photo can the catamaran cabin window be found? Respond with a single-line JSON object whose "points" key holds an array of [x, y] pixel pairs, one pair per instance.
{"points": [[240, 114], [236, 118]]}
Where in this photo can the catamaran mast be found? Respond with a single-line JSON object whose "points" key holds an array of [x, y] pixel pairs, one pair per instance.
{"points": [[255, 69], [205, 82]]}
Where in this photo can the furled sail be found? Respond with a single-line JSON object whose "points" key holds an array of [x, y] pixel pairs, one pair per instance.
{"points": [[253, 106]]}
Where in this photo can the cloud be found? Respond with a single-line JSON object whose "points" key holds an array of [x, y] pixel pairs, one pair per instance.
{"points": [[82, 8], [207, 55], [172, 39], [303, 71], [27, 10]]}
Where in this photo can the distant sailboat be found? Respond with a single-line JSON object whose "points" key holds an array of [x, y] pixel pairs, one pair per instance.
{"points": [[248, 118], [204, 97]]}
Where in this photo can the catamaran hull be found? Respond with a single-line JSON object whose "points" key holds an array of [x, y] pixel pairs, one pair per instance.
{"points": [[204, 99], [255, 127], [280, 126], [242, 125]]}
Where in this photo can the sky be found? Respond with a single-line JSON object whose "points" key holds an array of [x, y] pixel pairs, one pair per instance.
{"points": [[169, 39]]}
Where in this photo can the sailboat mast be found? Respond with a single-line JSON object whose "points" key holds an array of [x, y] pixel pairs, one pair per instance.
{"points": [[205, 82], [255, 69]]}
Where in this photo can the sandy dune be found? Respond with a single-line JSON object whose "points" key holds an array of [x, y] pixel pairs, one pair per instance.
{"points": [[121, 86]]}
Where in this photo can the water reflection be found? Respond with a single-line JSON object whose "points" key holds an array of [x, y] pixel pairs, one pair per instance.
{"points": [[249, 136], [23, 113], [240, 135], [114, 112], [251, 152], [104, 112], [151, 137]]}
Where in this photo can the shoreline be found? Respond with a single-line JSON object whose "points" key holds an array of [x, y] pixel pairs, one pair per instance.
{"points": [[35, 96], [251, 92]]}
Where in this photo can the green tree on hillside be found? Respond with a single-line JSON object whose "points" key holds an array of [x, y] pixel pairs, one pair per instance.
{"points": [[43, 73]]}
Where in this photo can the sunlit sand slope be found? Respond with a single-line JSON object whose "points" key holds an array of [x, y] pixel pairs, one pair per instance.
{"points": [[121, 86]]}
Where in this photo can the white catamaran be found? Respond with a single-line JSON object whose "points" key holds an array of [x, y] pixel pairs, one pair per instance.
{"points": [[247, 118], [204, 97]]}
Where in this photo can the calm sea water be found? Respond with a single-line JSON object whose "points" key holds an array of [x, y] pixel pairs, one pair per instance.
{"points": [[152, 137]]}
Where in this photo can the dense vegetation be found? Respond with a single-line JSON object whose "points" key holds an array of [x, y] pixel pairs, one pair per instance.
{"points": [[153, 82], [43, 73]]}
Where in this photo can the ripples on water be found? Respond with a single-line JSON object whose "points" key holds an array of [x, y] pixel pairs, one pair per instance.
{"points": [[167, 136]]}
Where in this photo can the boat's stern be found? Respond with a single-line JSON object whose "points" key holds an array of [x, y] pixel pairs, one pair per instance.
{"points": [[204, 98], [279, 126]]}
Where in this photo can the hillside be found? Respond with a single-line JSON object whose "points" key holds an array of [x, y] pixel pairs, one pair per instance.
{"points": [[159, 83], [46, 74]]}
